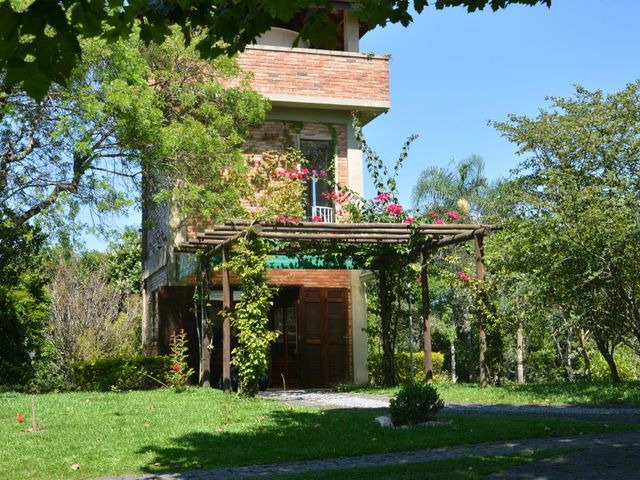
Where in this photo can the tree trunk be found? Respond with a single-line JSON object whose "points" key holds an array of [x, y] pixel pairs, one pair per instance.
{"points": [[426, 317], [568, 355], [385, 325], [480, 309], [469, 344], [607, 354], [584, 337], [454, 378], [520, 351]]}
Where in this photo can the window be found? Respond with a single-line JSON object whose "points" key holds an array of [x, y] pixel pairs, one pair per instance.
{"points": [[319, 155]]}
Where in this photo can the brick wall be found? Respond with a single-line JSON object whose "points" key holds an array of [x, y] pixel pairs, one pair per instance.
{"points": [[317, 73]]}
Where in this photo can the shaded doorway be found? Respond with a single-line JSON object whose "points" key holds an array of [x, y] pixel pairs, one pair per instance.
{"points": [[324, 336], [284, 351]]}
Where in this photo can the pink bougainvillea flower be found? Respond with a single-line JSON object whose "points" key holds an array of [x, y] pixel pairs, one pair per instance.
{"points": [[463, 276], [19, 418], [175, 367], [409, 220], [316, 219], [394, 209], [453, 215], [337, 197], [432, 214], [383, 197], [438, 222]]}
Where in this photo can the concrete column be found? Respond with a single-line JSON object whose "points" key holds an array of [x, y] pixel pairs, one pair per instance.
{"points": [[359, 322], [355, 166], [351, 33]]}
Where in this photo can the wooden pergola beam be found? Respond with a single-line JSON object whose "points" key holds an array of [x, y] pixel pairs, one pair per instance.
{"points": [[222, 237]]}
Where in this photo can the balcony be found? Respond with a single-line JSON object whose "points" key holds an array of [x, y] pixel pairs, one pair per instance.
{"points": [[318, 78], [323, 214]]}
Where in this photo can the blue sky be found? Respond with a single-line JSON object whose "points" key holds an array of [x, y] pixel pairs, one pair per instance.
{"points": [[452, 71]]}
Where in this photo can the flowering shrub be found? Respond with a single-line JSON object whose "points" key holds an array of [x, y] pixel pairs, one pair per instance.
{"points": [[337, 197], [394, 209], [453, 215], [463, 276], [409, 220], [439, 222], [383, 197], [316, 219], [432, 214], [180, 370]]}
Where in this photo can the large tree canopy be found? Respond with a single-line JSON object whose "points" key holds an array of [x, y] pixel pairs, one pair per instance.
{"points": [[574, 226], [128, 108], [40, 39]]}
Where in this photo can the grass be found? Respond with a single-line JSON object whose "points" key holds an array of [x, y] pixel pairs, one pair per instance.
{"points": [[472, 468], [159, 431], [593, 393]]}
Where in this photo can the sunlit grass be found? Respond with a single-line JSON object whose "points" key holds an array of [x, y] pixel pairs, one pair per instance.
{"points": [[152, 431], [594, 393]]}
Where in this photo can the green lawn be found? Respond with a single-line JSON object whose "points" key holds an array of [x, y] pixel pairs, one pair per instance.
{"points": [[115, 433], [472, 468], [624, 393]]}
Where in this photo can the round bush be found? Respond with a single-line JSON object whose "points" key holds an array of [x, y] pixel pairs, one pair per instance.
{"points": [[415, 404]]}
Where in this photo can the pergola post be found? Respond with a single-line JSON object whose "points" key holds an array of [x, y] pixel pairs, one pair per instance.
{"points": [[226, 325], [205, 353], [426, 315], [480, 312]]}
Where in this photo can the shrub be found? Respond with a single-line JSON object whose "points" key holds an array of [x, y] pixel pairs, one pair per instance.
{"points": [[415, 404], [403, 367], [626, 362], [121, 373]]}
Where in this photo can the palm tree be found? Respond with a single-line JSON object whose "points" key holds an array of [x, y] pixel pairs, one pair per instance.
{"points": [[459, 188]]}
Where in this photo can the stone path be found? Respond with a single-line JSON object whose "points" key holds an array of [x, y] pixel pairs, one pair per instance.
{"points": [[610, 456], [624, 449]]}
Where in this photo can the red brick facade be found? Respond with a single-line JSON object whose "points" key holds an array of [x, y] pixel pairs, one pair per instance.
{"points": [[317, 73]]}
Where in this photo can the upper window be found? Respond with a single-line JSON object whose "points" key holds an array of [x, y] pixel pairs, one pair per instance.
{"points": [[319, 156]]}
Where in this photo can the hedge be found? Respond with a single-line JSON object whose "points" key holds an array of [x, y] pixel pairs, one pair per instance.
{"points": [[403, 367], [121, 373]]}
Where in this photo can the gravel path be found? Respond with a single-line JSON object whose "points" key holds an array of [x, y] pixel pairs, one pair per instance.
{"points": [[330, 399]]}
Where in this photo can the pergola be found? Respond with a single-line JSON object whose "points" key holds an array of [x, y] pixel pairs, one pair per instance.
{"points": [[426, 237]]}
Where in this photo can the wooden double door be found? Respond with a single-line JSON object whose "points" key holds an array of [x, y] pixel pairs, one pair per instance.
{"points": [[312, 349]]}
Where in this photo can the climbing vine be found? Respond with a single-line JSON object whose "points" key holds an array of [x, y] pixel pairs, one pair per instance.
{"points": [[250, 317]]}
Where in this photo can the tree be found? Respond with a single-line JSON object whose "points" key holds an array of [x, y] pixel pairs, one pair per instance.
{"points": [[89, 316], [41, 38], [574, 211], [461, 188], [23, 301], [127, 109]]}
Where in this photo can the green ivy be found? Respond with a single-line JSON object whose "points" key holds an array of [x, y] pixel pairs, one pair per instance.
{"points": [[250, 317]]}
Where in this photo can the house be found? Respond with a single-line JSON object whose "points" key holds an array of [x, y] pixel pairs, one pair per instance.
{"points": [[320, 311]]}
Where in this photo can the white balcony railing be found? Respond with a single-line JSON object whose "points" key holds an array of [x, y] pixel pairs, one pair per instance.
{"points": [[325, 213]]}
